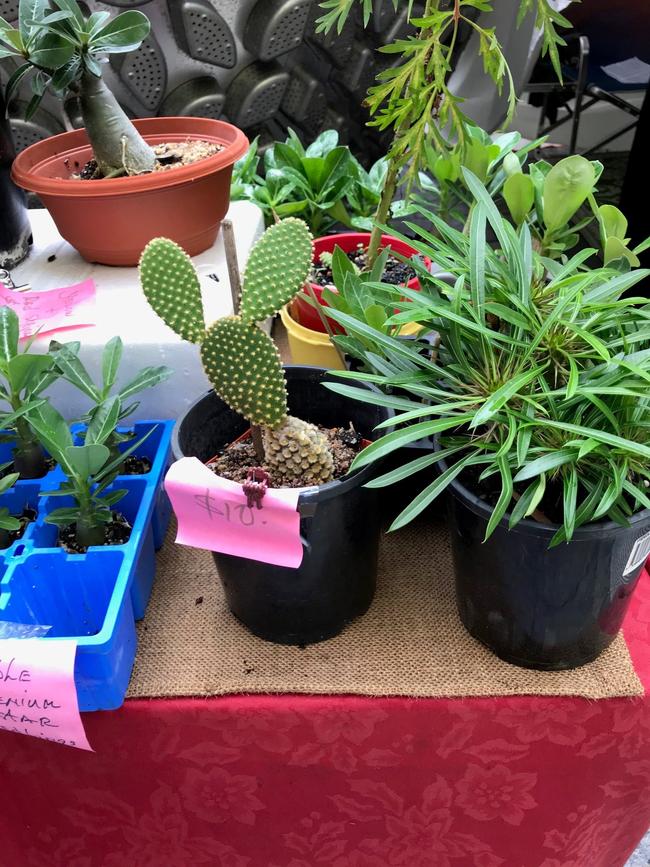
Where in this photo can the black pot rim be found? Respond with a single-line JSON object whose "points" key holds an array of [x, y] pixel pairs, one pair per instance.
{"points": [[315, 494], [528, 526]]}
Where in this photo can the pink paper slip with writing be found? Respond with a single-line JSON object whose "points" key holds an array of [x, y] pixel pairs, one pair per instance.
{"points": [[37, 691], [212, 513], [70, 306]]}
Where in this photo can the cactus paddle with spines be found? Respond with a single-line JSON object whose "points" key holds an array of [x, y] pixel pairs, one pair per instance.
{"points": [[240, 360], [278, 263]]}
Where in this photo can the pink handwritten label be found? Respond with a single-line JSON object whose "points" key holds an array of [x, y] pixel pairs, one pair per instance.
{"points": [[37, 691], [213, 513], [70, 306]]}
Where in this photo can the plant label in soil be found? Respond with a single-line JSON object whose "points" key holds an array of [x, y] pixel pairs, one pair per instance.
{"points": [[50, 310], [37, 691], [639, 554], [213, 513]]}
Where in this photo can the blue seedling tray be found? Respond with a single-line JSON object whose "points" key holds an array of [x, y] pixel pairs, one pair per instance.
{"points": [[97, 596]]}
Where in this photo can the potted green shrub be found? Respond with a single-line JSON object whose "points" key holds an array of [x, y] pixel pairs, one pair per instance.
{"points": [[339, 520], [116, 184], [538, 398]]}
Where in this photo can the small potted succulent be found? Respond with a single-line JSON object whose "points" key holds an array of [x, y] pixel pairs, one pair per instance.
{"points": [[114, 185], [299, 436], [538, 398]]}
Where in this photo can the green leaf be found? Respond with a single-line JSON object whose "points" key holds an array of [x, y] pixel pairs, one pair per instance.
{"points": [[51, 51], [125, 32], [30, 11], [62, 517], [504, 497], [75, 373], [423, 499], [477, 247], [25, 368], [111, 357], [613, 221], [408, 469], [53, 432], [519, 195], [570, 486], [146, 378], [503, 394], [118, 461], [545, 463], [73, 7], [528, 502], [566, 187], [104, 420], [87, 460], [615, 249], [9, 332], [114, 497], [15, 79]]}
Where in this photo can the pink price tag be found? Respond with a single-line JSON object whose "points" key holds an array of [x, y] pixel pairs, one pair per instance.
{"points": [[213, 513], [37, 691], [68, 307]]}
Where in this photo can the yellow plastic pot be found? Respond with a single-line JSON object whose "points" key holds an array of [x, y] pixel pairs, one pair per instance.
{"points": [[310, 347]]}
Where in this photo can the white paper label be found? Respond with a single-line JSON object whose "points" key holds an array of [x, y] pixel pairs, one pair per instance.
{"points": [[639, 554]]}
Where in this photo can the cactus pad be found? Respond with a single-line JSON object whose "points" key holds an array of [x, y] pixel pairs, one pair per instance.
{"points": [[172, 288], [277, 268], [245, 370], [297, 451]]}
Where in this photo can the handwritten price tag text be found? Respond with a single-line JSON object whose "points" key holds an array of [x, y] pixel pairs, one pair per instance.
{"points": [[213, 513]]}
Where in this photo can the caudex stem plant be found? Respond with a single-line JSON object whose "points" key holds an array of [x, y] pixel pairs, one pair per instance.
{"points": [[61, 47], [414, 97], [90, 469], [23, 377], [240, 360]]}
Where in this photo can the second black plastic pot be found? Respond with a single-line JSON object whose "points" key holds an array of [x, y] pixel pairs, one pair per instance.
{"points": [[15, 232], [339, 523], [536, 607]]}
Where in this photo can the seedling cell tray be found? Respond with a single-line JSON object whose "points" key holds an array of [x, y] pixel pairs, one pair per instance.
{"points": [[94, 597]]}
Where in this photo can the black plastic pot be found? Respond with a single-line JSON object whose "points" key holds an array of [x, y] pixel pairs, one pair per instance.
{"points": [[15, 233], [537, 607], [340, 523]]}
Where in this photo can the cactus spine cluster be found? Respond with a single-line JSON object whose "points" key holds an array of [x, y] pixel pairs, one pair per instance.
{"points": [[240, 360]]}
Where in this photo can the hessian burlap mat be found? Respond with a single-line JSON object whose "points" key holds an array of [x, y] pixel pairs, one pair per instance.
{"points": [[409, 643]]}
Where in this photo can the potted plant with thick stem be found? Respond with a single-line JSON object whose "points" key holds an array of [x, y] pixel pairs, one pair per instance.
{"points": [[538, 398], [150, 176], [15, 231], [339, 522]]}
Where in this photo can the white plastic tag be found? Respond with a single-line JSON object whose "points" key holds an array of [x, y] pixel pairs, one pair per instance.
{"points": [[639, 554]]}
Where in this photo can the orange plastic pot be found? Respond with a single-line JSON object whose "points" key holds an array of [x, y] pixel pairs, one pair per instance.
{"points": [[305, 312], [111, 220]]}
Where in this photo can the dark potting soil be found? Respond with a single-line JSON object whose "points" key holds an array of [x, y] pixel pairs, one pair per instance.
{"points": [[238, 458], [550, 509], [135, 466], [396, 273], [116, 533], [50, 464], [28, 515], [169, 155]]}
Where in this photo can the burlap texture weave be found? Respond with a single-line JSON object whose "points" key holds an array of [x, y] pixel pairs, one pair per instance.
{"points": [[409, 643]]}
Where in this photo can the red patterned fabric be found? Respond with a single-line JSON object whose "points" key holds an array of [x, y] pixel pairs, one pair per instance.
{"points": [[289, 781]]}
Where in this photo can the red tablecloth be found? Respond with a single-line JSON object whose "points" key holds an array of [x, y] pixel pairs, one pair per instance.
{"points": [[288, 781]]}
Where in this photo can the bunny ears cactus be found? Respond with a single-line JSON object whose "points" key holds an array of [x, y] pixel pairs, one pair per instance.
{"points": [[240, 360]]}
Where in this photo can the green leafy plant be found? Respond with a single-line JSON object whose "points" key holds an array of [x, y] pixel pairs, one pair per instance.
{"points": [[8, 523], [111, 406], [539, 391], [240, 360], [412, 96], [59, 46], [90, 469], [24, 376]]}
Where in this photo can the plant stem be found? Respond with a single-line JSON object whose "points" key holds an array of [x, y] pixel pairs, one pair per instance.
{"points": [[29, 457], [258, 444], [88, 531], [383, 210], [117, 145]]}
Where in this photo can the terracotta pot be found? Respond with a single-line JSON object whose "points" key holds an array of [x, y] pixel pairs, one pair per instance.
{"points": [[111, 220], [306, 314]]}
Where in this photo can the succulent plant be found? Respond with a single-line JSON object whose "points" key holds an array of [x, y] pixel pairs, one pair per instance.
{"points": [[240, 360]]}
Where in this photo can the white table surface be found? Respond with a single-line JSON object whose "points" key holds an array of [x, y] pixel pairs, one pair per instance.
{"points": [[121, 308]]}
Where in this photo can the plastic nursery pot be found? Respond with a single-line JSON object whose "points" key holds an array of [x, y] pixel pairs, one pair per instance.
{"points": [[347, 241], [539, 608], [308, 346], [339, 524], [111, 220], [15, 232]]}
